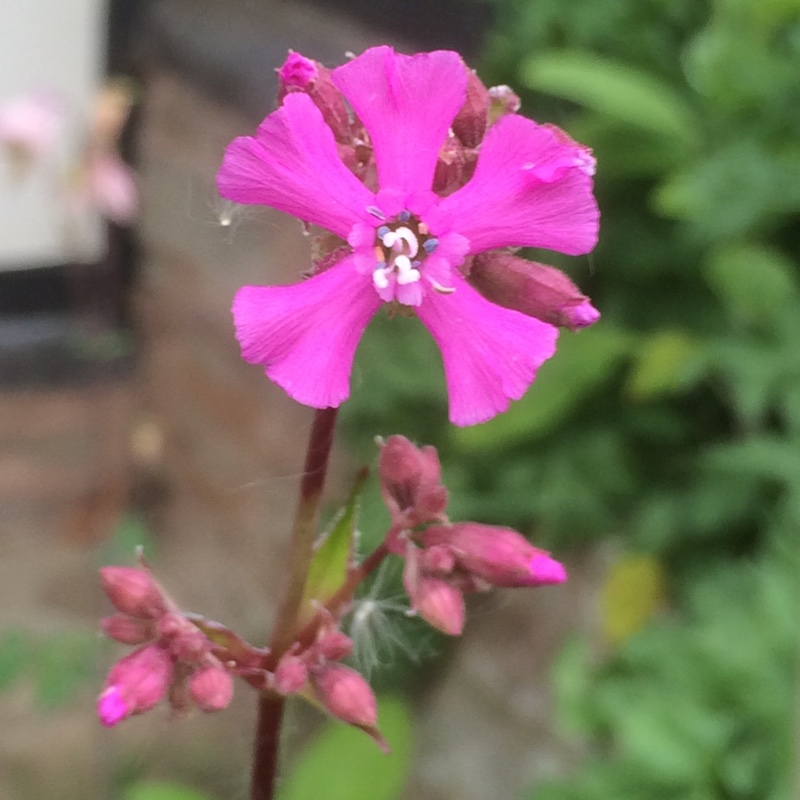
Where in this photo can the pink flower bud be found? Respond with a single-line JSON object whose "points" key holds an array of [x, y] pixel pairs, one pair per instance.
{"points": [[185, 641], [126, 629], [334, 645], [473, 117], [411, 481], [291, 675], [500, 556], [133, 591], [301, 74], [437, 560], [346, 695], [440, 604], [535, 290], [211, 687], [503, 101], [581, 315], [296, 74], [454, 167], [135, 684]]}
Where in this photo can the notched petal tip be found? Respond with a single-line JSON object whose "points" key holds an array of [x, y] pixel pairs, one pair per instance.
{"points": [[305, 335]]}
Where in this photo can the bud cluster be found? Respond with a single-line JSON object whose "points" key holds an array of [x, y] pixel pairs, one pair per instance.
{"points": [[175, 659], [316, 673], [445, 560], [532, 289]]}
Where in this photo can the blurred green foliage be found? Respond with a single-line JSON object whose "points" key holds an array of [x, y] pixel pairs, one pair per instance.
{"points": [[698, 706], [343, 764], [673, 425]]}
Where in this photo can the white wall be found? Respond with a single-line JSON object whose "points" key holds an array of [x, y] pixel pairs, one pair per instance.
{"points": [[50, 45]]}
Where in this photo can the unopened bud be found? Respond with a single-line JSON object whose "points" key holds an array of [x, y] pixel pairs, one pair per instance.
{"points": [[346, 695], [211, 687], [454, 167], [133, 591], [440, 604], [533, 289], [436, 559], [185, 641], [291, 675], [126, 629], [301, 74], [411, 480], [473, 117], [502, 101], [135, 684], [334, 645], [500, 556]]}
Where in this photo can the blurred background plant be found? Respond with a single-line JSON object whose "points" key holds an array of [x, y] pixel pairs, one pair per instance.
{"points": [[672, 428]]}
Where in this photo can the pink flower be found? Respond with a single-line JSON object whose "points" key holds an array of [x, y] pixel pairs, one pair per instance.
{"points": [[532, 186], [31, 124]]}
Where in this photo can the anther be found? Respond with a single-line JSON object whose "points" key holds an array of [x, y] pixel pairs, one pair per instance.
{"points": [[382, 231], [429, 245], [376, 212], [404, 216]]}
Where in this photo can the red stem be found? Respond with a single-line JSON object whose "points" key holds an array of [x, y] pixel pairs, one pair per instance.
{"points": [[266, 746]]}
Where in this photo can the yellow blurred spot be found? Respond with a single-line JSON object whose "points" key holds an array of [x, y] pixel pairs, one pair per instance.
{"points": [[633, 592]]}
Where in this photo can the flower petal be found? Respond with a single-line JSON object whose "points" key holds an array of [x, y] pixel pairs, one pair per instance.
{"points": [[490, 354], [532, 188], [305, 335], [292, 164], [407, 104]]}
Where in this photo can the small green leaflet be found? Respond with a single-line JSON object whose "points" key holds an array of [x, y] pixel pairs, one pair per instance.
{"points": [[335, 551]]}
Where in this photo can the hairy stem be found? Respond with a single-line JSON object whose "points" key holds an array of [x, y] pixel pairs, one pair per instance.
{"points": [[301, 550], [343, 595], [304, 530]]}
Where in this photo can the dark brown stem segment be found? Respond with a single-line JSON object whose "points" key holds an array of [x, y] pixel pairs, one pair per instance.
{"points": [[270, 709], [267, 746]]}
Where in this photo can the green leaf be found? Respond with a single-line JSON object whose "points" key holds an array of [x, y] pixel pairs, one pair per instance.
{"points": [[661, 365], [334, 553], [344, 764], [157, 790], [618, 90], [754, 282], [583, 362]]}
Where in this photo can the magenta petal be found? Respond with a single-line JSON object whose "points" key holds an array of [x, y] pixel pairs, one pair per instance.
{"points": [[305, 335], [546, 570], [531, 188], [111, 708], [292, 165], [407, 104], [490, 353]]}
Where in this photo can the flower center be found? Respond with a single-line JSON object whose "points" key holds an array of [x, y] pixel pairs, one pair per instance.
{"points": [[400, 249]]}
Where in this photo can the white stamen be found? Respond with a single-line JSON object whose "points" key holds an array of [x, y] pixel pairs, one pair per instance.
{"points": [[405, 272], [380, 279], [441, 289], [407, 235], [389, 239]]}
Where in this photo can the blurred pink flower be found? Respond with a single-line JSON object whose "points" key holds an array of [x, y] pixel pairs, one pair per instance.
{"points": [[532, 186], [30, 125]]}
